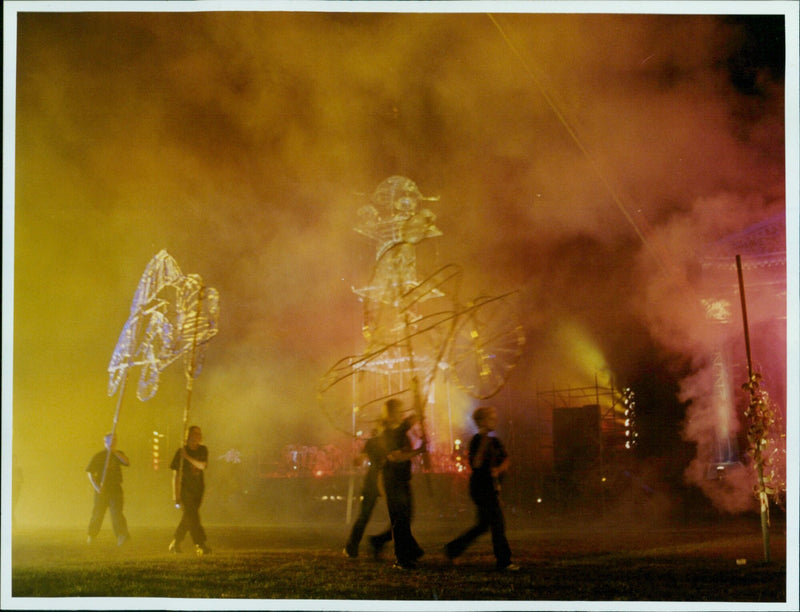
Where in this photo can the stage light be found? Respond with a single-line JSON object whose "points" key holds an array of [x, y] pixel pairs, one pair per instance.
{"points": [[156, 449], [630, 418]]}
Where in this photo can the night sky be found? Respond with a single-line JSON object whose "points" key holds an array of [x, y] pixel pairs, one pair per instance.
{"points": [[585, 161]]}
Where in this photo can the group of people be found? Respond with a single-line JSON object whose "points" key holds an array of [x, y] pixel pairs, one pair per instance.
{"points": [[389, 453], [188, 485]]}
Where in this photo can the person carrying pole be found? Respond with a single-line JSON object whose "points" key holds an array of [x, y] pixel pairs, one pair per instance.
{"points": [[188, 485], [105, 475]]}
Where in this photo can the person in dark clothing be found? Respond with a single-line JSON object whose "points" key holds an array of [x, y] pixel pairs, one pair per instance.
{"points": [[188, 484], [375, 452], [489, 461], [397, 484], [108, 490]]}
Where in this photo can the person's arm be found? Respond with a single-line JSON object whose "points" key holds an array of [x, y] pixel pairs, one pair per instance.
{"points": [[200, 465], [95, 486], [399, 455], [122, 457], [500, 452], [496, 471]]}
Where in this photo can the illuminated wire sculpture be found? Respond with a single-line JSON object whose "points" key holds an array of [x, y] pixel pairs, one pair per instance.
{"points": [[172, 315], [415, 328]]}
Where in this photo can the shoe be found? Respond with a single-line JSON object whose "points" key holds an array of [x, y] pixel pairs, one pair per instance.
{"points": [[404, 566], [122, 539], [511, 567], [174, 547], [201, 549], [348, 553]]}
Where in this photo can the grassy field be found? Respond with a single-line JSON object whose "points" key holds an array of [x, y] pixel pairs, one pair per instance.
{"points": [[566, 561]]}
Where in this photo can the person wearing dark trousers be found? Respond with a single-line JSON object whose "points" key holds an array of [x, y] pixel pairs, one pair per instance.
{"points": [[397, 483], [188, 486], [489, 461], [105, 474], [375, 452]]}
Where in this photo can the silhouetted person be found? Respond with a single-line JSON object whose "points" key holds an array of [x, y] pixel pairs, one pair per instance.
{"points": [[489, 461], [108, 491], [397, 483], [188, 466], [375, 452]]}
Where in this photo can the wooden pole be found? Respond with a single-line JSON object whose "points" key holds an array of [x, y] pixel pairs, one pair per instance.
{"points": [[189, 372], [114, 427], [351, 481], [759, 461], [744, 315]]}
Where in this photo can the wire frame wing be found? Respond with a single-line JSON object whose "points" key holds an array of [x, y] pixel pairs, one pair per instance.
{"points": [[198, 311], [171, 315], [486, 346], [146, 338], [407, 334]]}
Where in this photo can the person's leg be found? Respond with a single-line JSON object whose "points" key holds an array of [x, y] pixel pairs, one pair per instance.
{"points": [[357, 532], [406, 548], [199, 535], [98, 513], [502, 551], [456, 547], [192, 517], [392, 494], [181, 529], [379, 540], [120, 525]]}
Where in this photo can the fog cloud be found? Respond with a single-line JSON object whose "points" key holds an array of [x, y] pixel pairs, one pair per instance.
{"points": [[583, 160]]}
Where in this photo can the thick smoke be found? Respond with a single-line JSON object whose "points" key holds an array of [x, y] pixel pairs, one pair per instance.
{"points": [[583, 160], [679, 309]]}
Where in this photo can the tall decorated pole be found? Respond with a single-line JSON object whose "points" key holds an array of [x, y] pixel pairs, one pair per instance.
{"points": [[200, 306], [761, 419]]}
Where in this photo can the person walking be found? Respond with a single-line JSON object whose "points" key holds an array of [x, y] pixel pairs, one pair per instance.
{"points": [[489, 461], [188, 485], [105, 475], [397, 483], [375, 452]]}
